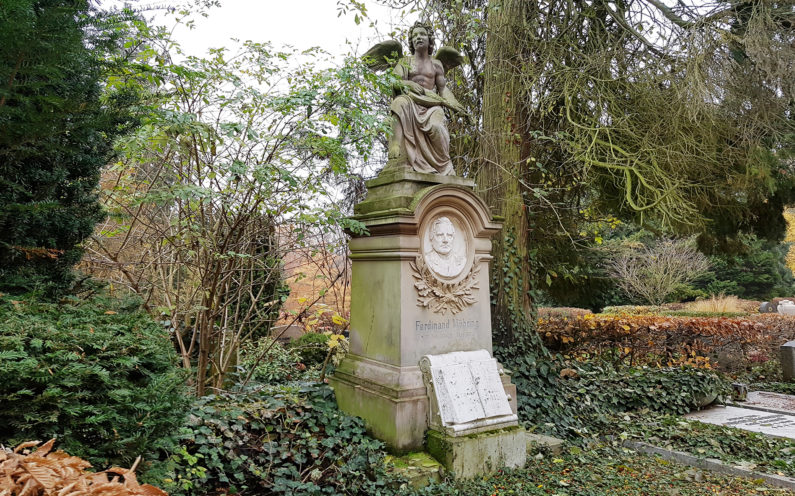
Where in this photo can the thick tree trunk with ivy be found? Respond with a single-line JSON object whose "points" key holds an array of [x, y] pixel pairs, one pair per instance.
{"points": [[501, 167]]}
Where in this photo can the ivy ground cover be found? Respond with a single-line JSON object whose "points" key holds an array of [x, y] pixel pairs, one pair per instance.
{"points": [[751, 450], [602, 471]]}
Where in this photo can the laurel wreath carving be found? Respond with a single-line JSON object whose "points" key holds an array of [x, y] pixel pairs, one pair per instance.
{"points": [[440, 296]]}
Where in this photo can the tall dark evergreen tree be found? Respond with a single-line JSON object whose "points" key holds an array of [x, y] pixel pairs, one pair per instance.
{"points": [[56, 130]]}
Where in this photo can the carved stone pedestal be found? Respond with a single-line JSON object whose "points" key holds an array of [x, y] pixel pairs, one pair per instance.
{"points": [[419, 287]]}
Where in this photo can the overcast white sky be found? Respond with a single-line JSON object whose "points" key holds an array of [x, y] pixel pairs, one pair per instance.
{"points": [[299, 23]]}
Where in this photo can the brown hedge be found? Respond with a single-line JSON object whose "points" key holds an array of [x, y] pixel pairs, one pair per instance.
{"points": [[647, 339]]}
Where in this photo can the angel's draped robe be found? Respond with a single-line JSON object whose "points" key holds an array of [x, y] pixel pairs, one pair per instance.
{"points": [[425, 136]]}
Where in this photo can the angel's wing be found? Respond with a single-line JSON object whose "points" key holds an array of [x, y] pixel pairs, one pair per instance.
{"points": [[449, 57], [383, 55]]}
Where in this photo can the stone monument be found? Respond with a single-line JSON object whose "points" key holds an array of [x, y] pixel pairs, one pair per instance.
{"points": [[787, 358], [420, 328]]}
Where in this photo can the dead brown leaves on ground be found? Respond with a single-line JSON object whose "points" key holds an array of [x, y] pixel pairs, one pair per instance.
{"points": [[55, 473]]}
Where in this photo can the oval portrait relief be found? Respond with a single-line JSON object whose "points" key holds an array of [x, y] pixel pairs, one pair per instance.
{"points": [[445, 246]]}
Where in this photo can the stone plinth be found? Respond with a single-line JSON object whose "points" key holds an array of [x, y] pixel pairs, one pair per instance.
{"points": [[479, 454], [419, 287]]}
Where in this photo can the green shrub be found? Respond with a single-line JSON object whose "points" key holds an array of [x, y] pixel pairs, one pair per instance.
{"points": [[99, 375], [278, 364], [729, 444], [754, 268], [597, 470], [58, 121], [311, 347], [288, 440], [774, 387]]}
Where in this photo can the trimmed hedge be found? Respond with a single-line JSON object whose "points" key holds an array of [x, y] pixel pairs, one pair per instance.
{"points": [[657, 340]]}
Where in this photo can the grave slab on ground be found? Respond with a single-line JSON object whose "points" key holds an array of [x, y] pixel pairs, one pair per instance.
{"points": [[767, 401], [772, 424]]}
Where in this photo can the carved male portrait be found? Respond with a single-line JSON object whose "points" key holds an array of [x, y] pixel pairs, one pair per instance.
{"points": [[446, 255]]}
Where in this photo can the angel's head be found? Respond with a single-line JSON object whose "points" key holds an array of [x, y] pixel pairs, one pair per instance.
{"points": [[422, 29]]}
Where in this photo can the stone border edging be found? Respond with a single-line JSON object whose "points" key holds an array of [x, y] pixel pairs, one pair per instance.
{"points": [[761, 409], [710, 464]]}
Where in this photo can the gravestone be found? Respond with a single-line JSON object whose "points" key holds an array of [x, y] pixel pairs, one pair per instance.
{"points": [[284, 334], [786, 307], [772, 424], [771, 402], [473, 429], [787, 358], [420, 286]]}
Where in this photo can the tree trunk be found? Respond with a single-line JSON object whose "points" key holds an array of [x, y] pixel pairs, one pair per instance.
{"points": [[498, 176]]}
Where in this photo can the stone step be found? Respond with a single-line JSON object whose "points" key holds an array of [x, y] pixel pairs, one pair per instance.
{"points": [[535, 441], [420, 468]]}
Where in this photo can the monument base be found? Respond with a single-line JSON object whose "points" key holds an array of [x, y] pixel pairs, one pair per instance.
{"points": [[391, 400], [479, 454]]}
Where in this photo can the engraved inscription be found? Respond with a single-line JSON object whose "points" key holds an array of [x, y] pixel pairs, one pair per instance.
{"points": [[775, 421], [490, 389], [459, 398], [441, 325]]}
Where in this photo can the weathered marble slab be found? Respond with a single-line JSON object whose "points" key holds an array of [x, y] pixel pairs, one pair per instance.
{"points": [[772, 424], [466, 393], [490, 389], [457, 395]]}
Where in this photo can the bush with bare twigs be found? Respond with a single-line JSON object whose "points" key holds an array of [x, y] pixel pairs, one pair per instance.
{"points": [[651, 273]]}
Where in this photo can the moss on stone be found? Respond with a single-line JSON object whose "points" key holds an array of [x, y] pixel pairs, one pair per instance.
{"points": [[418, 467]]}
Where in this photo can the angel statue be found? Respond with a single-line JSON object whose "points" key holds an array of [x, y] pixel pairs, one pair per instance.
{"points": [[419, 126]]}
